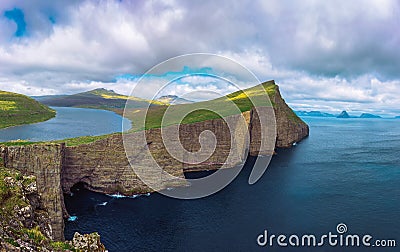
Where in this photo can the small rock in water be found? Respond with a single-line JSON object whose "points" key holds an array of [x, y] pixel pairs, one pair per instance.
{"points": [[88, 242]]}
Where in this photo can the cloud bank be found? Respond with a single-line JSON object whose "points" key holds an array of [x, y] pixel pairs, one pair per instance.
{"points": [[325, 55]]}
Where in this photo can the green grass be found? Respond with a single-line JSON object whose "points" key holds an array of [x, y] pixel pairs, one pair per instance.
{"points": [[231, 104], [17, 109], [10, 196], [34, 234], [18, 143], [82, 140], [62, 246]]}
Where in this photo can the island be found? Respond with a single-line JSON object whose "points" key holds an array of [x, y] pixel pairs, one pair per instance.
{"points": [[368, 115], [314, 113], [344, 114]]}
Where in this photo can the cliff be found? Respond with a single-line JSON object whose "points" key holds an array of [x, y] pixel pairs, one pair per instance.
{"points": [[25, 223], [45, 163], [289, 127], [103, 165]]}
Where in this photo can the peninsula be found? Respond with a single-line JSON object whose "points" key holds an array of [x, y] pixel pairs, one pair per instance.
{"points": [[102, 165]]}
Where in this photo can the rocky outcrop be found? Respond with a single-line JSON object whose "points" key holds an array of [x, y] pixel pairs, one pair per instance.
{"points": [[44, 161], [87, 242], [25, 225]]}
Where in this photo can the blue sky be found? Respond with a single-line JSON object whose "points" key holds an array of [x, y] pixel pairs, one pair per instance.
{"points": [[325, 56]]}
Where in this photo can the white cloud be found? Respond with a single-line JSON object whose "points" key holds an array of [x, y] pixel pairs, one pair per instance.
{"points": [[324, 55]]}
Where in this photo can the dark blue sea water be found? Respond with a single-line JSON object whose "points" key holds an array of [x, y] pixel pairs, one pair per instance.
{"points": [[347, 171], [68, 123]]}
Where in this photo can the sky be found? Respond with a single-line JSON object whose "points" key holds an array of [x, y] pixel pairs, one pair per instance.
{"points": [[324, 55]]}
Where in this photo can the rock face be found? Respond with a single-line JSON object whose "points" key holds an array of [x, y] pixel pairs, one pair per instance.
{"points": [[45, 163], [103, 166], [289, 127], [87, 242], [25, 225]]}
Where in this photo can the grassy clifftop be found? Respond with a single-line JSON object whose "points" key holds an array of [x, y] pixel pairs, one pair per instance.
{"points": [[231, 104], [17, 109]]}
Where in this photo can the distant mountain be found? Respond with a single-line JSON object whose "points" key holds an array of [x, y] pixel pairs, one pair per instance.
{"points": [[314, 113], [18, 109], [367, 115], [173, 99], [344, 114], [98, 98], [397, 117]]}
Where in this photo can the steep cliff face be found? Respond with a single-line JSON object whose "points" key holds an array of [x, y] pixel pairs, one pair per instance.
{"points": [[45, 163], [103, 166], [289, 127]]}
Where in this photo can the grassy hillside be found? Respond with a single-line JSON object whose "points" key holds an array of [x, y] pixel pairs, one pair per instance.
{"points": [[223, 106], [17, 109], [99, 98]]}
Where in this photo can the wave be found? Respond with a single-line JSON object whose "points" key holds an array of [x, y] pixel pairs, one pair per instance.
{"points": [[120, 196]]}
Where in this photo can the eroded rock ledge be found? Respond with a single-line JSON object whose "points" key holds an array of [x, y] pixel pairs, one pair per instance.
{"points": [[103, 166]]}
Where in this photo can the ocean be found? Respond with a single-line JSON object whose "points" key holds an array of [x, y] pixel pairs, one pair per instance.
{"points": [[346, 172]]}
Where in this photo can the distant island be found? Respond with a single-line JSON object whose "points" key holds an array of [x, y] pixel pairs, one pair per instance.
{"points": [[367, 115], [397, 117], [343, 114], [314, 113], [18, 109]]}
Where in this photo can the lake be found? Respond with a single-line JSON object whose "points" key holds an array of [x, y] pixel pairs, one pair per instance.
{"points": [[68, 123], [347, 171]]}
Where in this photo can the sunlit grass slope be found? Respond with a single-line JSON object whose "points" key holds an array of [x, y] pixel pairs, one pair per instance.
{"points": [[17, 109], [231, 104]]}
